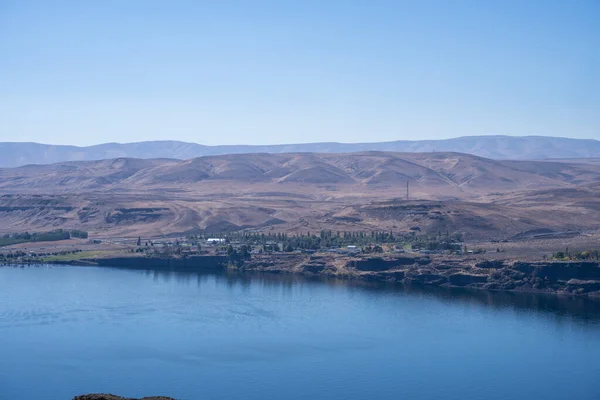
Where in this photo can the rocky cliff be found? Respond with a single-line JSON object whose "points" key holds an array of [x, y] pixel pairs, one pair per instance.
{"points": [[580, 278], [576, 278]]}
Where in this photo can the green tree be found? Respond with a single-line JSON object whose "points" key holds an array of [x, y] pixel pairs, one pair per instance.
{"points": [[245, 251]]}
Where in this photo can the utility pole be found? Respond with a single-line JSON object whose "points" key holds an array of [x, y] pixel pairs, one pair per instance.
{"points": [[407, 195]]}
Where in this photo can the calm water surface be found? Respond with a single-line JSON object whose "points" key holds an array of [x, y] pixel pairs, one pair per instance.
{"points": [[72, 330]]}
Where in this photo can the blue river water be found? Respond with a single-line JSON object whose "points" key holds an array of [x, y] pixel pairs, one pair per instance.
{"points": [[71, 330]]}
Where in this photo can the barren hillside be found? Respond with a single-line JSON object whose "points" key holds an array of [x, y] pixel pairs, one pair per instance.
{"points": [[437, 174], [455, 192]]}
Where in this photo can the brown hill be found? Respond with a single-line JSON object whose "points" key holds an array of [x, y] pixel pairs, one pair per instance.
{"points": [[444, 173], [453, 192]]}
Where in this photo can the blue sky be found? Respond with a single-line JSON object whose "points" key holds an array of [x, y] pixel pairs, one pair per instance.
{"points": [[263, 72]]}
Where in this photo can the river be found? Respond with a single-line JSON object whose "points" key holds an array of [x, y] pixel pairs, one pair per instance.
{"points": [[73, 330]]}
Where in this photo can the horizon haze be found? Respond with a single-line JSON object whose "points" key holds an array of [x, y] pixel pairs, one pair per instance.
{"points": [[14, 154]]}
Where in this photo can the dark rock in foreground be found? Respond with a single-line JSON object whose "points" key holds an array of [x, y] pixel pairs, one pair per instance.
{"points": [[113, 397]]}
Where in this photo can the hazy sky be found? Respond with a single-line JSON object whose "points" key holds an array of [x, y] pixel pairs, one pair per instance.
{"points": [[262, 72]]}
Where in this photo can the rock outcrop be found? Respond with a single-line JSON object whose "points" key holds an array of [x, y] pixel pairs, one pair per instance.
{"points": [[568, 277], [579, 278], [101, 396]]}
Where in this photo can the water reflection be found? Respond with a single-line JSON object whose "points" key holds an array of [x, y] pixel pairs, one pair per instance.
{"points": [[214, 335], [574, 308]]}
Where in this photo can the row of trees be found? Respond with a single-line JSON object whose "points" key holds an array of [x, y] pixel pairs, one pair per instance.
{"points": [[325, 239], [324, 235], [577, 256], [50, 236], [330, 239], [79, 234]]}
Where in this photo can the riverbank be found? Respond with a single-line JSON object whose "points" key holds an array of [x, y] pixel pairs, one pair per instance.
{"points": [[538, 276], [574, 278]]}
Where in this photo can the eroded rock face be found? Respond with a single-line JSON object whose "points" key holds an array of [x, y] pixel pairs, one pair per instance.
{"points": [[565, 271], [463, 279], [380, 263], [582, 286], [554, 277], [427, 279], [579, 278], [315, 265], [100, 396], [490, 264]]}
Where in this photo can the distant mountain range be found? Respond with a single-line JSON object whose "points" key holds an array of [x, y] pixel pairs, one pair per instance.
{"points": [[13, 154]]}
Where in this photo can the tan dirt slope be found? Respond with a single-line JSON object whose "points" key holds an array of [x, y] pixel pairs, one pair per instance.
{"points": [[297, 192]]}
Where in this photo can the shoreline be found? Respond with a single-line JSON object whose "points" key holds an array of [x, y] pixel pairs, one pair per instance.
{"points": [[575, 278]]}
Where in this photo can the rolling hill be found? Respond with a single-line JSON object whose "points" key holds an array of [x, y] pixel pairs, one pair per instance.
{"points": [[298, 192], [432, 175], [13, 154]]}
